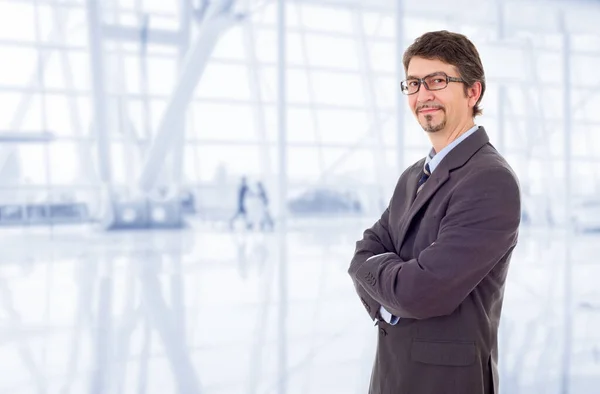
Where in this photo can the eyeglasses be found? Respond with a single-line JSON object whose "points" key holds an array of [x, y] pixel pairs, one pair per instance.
{"points": [[435, 81]]}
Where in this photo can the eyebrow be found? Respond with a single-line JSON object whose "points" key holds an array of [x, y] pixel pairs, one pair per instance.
{"points": [[414, 77]]}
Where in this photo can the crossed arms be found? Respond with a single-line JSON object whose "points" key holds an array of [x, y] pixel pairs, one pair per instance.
{"points": [[480, 228]]}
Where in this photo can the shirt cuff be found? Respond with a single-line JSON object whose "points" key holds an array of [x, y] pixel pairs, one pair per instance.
{"points": [[378, 255], [388, 317]]}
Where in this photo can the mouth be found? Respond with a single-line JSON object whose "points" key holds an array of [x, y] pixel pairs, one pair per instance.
{"points": [[428, 110]]}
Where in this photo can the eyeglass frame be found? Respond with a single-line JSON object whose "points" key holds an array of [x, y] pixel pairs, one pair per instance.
{"points": [[422, 82]]}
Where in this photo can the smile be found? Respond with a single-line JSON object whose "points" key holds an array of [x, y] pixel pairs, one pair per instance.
{"points": [[428, 110]]}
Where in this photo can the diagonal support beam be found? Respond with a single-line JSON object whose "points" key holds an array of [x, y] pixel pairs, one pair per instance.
{"points": [[192, 69]]}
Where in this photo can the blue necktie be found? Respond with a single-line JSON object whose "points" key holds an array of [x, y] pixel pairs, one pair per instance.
{"points": [[424, 176]]}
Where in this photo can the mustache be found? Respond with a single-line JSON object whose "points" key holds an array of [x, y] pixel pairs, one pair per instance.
{"points": [[429, 106]]}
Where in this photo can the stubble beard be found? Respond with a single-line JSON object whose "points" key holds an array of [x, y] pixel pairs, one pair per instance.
{"points": [[431, 127]]}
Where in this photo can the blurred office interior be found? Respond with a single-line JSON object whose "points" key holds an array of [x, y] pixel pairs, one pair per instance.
{"points": [[127, 128]]}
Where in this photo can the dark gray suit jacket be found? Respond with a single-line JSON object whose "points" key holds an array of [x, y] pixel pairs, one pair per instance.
{"points": [[442, 264]]}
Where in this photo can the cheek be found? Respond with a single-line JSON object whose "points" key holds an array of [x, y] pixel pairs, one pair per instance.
{"points": [[412, 102]]}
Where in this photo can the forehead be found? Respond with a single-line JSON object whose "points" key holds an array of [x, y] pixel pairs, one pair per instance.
{"points": [[419, 67]]}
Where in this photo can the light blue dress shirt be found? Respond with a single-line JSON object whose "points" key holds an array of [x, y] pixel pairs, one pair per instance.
{"points": [[434, 160]]}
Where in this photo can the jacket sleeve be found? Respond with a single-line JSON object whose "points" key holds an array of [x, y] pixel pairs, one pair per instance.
{"points": [[376, 241], [479, 229]]}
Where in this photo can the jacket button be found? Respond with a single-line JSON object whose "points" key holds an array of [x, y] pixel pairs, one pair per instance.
{"points": [[383, 331]]}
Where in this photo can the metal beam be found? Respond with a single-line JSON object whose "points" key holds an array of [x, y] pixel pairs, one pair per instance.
{"points": [[502, 94], [154, 36], [400, 97], [85, 149], [373, 112], [177, 158], [99, 103], [25, 136], [282, 214], [193, 67], [254, 80], [438, 10], [312, 96], [568, 273]]}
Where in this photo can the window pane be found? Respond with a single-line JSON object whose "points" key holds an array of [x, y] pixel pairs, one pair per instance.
{"points": [[117, 160], [297, 85], [16, 20], [80, 69], [18, 66], [231, 45], [65, 161], [378, 25], [55, 70], [267, 14], [266, 47], [133, 80], [301, 125], [9, 102], [247, 160], [382, 57], [224, 81], [191, 164], [304, 164], [327, 18], [231, 122], [157, 111], [332, 51], [341, 126], [139, 118], [389, 133], [160, 6], [162, 75], [63, 25], [353, 163], [125, 162], [32, 165], [60, 114], [338, 89], [385, 89]]}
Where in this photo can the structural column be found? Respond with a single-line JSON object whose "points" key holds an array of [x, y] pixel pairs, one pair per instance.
{"points": [[400, 98], [282, 189], [99, 95]]}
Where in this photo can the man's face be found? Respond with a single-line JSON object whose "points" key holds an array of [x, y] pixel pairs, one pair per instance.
{"points": [[441, 109]]}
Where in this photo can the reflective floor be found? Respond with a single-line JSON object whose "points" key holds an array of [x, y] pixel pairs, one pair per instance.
{"points": [[204, 310]]}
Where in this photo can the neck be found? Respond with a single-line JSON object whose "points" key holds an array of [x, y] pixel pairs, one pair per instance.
{"points": [[445, 137]]}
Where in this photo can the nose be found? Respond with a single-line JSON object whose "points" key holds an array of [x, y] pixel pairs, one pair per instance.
{"points": [[424, 95]]}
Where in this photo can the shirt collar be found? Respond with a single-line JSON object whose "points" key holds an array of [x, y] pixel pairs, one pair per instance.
{"points": [[434, 159]]}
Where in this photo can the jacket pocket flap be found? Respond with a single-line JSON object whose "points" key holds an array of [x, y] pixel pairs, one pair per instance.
{"points": [[458, 354]]}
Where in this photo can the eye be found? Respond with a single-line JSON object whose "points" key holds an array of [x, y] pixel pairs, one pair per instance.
{"points": [[413, 83]]}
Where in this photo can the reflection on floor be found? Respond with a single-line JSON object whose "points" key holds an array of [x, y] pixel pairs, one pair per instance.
{"points": [[200, 311]]}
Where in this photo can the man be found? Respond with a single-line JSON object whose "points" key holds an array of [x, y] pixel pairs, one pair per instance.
{"points": [[431, 270], [243, 193]]}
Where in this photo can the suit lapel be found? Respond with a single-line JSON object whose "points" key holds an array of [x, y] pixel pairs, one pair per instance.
{"points": [[456, 158]]}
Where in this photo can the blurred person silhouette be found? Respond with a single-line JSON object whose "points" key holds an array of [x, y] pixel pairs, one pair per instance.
{"points": [[265, 220], [243, 193], [431, 271]]}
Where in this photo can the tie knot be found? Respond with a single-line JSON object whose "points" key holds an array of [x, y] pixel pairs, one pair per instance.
{"points": [[427, 170]]}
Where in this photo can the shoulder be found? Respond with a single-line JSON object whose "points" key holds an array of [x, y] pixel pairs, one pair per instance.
{"points": [[489, 163]]}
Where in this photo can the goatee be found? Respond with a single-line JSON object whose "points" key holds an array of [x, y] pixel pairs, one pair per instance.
{"points": [[432, 128]]}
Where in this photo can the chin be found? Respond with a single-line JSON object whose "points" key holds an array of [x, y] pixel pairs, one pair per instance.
{"points": [[433, 128], [430, 127]]}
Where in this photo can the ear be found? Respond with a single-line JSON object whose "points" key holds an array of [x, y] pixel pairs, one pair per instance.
{"points": [[473, 93]]}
